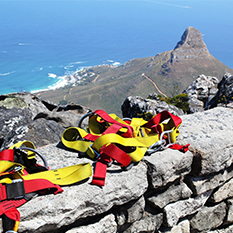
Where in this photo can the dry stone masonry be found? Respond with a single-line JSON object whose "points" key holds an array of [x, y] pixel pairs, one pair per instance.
{"points": [[168, 191]]}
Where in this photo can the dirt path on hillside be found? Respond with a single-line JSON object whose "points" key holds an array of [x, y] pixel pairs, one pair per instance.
{"points": [[143, 75], [95, 78], [68, 93]]}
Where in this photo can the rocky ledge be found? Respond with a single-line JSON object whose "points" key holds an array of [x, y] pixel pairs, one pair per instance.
{"points": [[205, 92], [168, 191]]}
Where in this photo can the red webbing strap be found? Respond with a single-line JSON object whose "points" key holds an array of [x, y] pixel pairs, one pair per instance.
{"points": [[3, 195], [107, 154], [111, 129], [160, 117], [179, 147], [13, 214], [116, 153], [109, 119], [7, 155], [9, 208], [38, 185], [91, 137], [30, 186], [100, 173]]}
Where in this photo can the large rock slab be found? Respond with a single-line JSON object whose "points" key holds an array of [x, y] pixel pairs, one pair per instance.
{"points": [[203, 89], [50, 212], [105, 225], [10, 121], [167, 165], [229, 217], [224, 192], [24, 116], [210, 137], [208, 218], [183, 208], [224, 95], [148, 224], [209, 182], [135, 106], [130, 212], [174, 193]]}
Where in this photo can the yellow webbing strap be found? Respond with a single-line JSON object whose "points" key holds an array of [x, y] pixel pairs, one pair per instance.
{"points": [[142, 139], [63, 176], [70, 139]]}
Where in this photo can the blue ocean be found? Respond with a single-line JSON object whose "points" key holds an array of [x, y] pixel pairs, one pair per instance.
{"points": [[43, 40]]}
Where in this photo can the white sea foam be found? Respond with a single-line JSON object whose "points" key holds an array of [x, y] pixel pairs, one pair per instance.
{"points": [[116, 63], [51, 75], [61, 83], [24, 44], [68, 78], [4, 74], [67, 67], [77, 62]]}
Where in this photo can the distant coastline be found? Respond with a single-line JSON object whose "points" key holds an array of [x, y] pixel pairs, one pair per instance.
{"points": [[74, 78], [39, 53]]}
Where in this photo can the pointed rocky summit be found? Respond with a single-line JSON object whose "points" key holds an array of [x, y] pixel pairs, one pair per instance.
{"points": [[191, 46], [190, 58]]}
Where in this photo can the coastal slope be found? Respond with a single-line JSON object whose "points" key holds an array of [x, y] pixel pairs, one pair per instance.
{"points": [[106, 87]]}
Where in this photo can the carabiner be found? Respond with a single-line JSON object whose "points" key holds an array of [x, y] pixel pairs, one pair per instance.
{"points": [[156, 146], [83, 117]]}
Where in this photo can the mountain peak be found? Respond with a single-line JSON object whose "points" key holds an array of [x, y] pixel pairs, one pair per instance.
{"points": [[191, 38], [191, 45]]}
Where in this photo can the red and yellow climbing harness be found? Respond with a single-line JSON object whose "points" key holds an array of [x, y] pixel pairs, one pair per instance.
{"points": [[21, 178], [109, 138]]}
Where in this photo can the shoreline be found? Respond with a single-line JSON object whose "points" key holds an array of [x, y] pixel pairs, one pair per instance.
{"points": [[74, 78]]}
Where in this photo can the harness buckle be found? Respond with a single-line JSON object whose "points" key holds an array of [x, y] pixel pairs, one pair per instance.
{"points": [[156, 146], [14, 169], [167, 132], [127, 168], [18, 168], [161, 144], [15, 190], [97, 154]]}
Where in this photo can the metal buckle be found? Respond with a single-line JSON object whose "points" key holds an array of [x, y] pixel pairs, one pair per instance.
{"points": [[97, 154], [127, 168], [168, 137], [161, 144], [156, 146], [16, 169], [15, 190]]}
